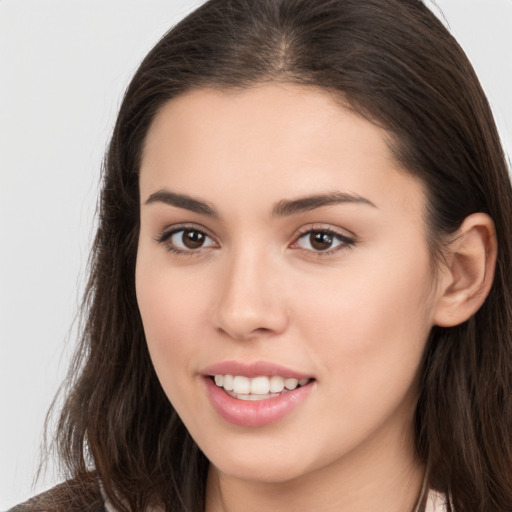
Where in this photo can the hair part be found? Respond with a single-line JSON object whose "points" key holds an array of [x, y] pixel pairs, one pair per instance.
{"points": [[395, 64]]}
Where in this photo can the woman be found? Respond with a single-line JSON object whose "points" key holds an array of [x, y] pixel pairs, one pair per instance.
{"points": [[296, 299]]}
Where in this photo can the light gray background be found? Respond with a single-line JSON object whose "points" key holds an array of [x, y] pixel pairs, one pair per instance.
{"points": [[64, 65]]}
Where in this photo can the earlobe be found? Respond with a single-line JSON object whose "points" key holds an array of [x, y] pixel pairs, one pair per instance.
{"points": [[468, 277]]}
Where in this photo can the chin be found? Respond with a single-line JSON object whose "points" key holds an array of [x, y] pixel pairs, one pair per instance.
{"points": [[265, 473], [259, 465]]}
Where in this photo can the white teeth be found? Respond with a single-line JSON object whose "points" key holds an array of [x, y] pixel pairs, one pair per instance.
{"points": [[241, 385], [228, 382], [291, 383], [255, 397], [276, 384], [260, 386], [257, 388]]}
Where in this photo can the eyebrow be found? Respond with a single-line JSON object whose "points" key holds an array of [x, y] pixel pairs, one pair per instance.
{"points": [[285, 208], [183, 201]]}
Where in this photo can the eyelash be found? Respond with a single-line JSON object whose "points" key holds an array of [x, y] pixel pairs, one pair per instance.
{"points": [[344, 241], [165, 239]]}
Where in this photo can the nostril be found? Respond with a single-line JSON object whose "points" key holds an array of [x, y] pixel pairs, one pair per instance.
{"points": [[241, 335], [262, 330]]}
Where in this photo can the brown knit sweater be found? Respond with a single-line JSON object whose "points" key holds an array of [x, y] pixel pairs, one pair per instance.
{"points": [[70, 496]]}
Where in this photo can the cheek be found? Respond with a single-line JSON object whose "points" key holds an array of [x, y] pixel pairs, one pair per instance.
{"points": [[169, 308], [370, 325]]}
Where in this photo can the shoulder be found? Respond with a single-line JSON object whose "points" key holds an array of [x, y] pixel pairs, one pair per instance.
{"points": [[70, 496]]}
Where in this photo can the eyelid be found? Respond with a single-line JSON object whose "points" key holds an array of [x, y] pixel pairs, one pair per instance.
{"points": [[335, 230], [347, 240], [166, 234]]}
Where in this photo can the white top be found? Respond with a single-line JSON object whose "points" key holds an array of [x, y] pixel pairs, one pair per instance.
{"points": [[436, 502]]}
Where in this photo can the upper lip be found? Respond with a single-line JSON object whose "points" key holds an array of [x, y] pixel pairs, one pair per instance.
{"points": [[254, 369]]}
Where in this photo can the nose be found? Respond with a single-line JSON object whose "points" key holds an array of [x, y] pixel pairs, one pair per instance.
{"points": [[251, 301]]}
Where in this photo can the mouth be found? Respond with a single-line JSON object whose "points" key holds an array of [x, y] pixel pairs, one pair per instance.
{"points": [[258, 393], [261, 387]]}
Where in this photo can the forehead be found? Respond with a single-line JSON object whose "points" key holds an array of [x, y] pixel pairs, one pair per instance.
{"points": [[284, 112], [278, 140]]}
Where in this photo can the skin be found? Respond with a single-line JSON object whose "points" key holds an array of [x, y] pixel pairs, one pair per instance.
{"points": [[355, 317]]}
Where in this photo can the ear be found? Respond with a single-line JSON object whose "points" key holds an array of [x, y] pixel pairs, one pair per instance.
{"points": [[467, 278]]}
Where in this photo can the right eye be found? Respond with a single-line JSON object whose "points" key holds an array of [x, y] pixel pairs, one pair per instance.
{"points": [[185, 240]]}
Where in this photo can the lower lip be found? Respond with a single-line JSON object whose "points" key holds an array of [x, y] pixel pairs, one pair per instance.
{"points": [[257, 413]]}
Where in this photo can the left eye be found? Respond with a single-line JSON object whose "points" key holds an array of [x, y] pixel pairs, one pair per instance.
{"points": [[321, 241], [189, 240]]}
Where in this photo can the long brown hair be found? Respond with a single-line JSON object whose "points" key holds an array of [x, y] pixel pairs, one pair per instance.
{"points": [[395, 64]]}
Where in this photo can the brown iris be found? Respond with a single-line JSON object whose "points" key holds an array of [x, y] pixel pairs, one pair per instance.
{"points": [[320, 240], [192, 239]]}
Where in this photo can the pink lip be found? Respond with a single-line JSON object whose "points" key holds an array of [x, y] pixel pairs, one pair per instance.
{"points": [[256, 413], [255, 369]]}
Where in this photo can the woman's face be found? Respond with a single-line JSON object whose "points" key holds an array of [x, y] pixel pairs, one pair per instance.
{"points": [[280, 242]]}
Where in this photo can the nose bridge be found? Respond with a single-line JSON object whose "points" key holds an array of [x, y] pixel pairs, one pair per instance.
{"points": [[250, 302]]}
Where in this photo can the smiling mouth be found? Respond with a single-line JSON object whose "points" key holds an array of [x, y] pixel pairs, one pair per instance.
{"points": [[257, 388]]}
